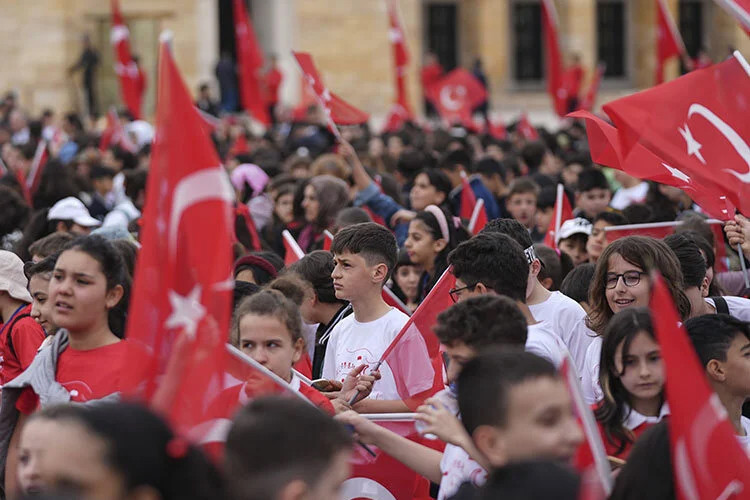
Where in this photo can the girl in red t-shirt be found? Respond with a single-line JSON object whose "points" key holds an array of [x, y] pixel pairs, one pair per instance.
{"points": [[632, 380], [267, 327]]}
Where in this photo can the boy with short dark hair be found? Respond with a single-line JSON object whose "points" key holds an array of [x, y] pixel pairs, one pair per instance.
{"points": [[364, 257], [49, 245], [493, 263], [593, 194], [723, 346], [102, 199], [456, 164], [280, 448], [521, 201], [323, 308], [561, 314]]}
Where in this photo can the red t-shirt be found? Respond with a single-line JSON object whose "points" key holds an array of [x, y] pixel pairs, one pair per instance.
{"points": [[26, 336], [304, 365], [87, 375], [430, 75]]}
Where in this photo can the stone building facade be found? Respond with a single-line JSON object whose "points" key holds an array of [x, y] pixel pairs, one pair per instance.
{"points": [[40, 40]]}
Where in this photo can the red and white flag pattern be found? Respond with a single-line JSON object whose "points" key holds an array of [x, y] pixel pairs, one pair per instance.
{"points": [[37, 167], [563, 212], [456, 95], [292, 250], [668, 40], [114, 134], [125, 67], [250, 64], [400, 60], [554, 64]]}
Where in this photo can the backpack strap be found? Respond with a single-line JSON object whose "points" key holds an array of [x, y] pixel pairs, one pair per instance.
{"points": [[721, 305]]}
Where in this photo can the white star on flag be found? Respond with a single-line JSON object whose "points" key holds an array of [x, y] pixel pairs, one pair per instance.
{"points": [[394, 35], [677, 173], [186, 311], [693, 146]]}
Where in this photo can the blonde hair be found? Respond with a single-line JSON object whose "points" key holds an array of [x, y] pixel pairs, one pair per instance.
{"points": [[268, 303]]}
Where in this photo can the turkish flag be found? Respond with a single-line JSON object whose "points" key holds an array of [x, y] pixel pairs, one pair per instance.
{"points": [[250, 64], [37, 167], [400, 56], [307, 99], [392, 300], [669, 42], [526, 129], [553, 59], [696, 123], [114, 134], [292, 250], [383, 476], [605, 145], [478, 218], [589, 100], [707, 459], [469, 206], [327, 240], [396, 118], [125, 67], [337, 111], [456, 95], [243, 212], [740, 10], [414, 354], [594, 458], [182, 295], [563, 212]]}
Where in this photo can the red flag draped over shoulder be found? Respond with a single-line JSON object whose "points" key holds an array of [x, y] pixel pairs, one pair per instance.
{"points": [[125, 67], [250, 63], [668, 39], [696, 123], [553, 59], [707, 459], [414, 355], [182, 293]]}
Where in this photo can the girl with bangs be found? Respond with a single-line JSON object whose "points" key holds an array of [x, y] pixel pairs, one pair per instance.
{"points": [[621, 281]]}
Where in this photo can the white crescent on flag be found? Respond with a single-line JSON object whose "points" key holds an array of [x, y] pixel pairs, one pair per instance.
{"points": [[447, 98], [119, 32], [362, 487]]}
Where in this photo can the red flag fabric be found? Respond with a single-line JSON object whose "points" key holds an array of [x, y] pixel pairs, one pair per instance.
{"points": [[392, 300], [400, 57], [553, 59], [414, 354], [125, 67], [327, 240], [595, 457], [383, 476], [606, 149], [497, 130], [250, 64], [456, 95], [740, 10], [707, 459], [668, 39], [478, 218], [563, 212], [114, 134], [338, 111], [307, 99], [526, 129], [239, 146], [468, 199], [589, 100], [182, 293], [208, 121], [37, 167], [242, 210], [292, 250], [697, 123], [396, 118], [21, 179]]}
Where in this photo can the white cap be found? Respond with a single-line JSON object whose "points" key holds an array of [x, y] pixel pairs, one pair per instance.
{"points": [[12, 278], [71, 208], [570, 227]]}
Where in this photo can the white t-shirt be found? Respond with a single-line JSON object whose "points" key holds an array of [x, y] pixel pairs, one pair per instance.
{"points": [[568, 320], [543, 342], [745, 440], [739, 307], [353, 343], [624, 197], [592, 392]]}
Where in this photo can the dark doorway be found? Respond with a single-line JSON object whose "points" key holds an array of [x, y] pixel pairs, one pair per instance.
{"points": [[527, 32], [691, 27], [442, 33], [610, 33], [227, 77]]}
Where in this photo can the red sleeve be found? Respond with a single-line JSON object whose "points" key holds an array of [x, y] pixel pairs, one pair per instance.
{"points": [[317, 398], [27, 335]]}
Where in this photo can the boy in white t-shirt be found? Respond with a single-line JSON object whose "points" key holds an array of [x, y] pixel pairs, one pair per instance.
{"points": [[563, 315], [364, 257], [466, 329], [722, 343], [493, 263]]}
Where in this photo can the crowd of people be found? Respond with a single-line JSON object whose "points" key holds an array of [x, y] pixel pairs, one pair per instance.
{"points": [[392, 201]]}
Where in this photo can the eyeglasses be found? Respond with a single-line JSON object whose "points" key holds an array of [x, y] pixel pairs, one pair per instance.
{"points": [[630, 278], [455, 292]]}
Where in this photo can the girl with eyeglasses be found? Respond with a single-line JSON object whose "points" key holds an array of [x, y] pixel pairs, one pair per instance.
{"points": [[621, 281]]}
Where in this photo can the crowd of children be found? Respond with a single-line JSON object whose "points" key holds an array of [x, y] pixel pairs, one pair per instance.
{"points": [[392, 203]]}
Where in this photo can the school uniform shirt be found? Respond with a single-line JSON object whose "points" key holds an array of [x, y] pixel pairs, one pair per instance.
{"points": [[567, 319], [739, 307], [592, 392], [353, 343], [456, 466], [26, 335], [543, 342]]}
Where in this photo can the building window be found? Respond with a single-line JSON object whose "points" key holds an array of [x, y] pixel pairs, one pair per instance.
{"points": [[610, 34], [527, 51], [691, 26], [442, 33]]}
